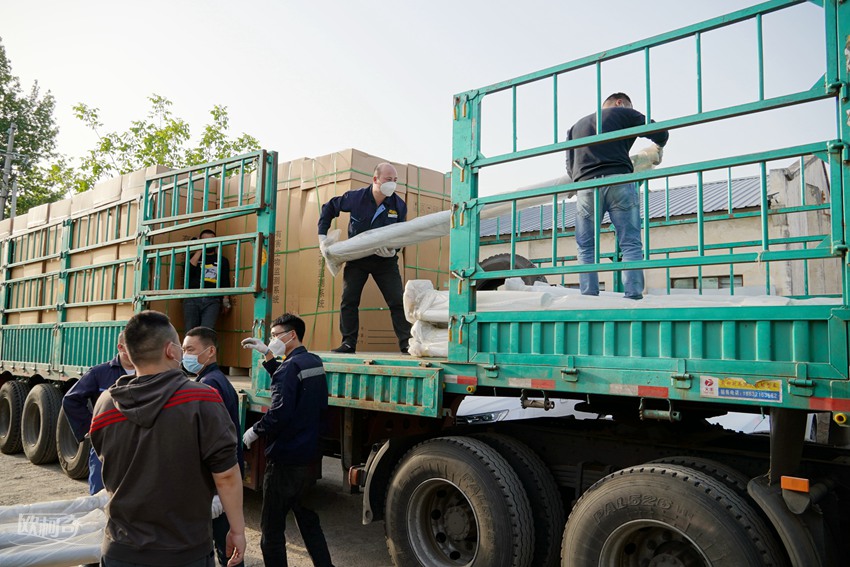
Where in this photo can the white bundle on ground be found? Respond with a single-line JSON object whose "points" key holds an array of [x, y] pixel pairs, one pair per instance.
{"points": [[423, 303], [53, 534], [429, 340]]}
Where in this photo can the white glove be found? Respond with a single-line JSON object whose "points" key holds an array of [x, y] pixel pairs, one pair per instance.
{"points": [[217, 508], [385, 252], [322, 238], [255, 344], [647, 158], [249, 437]]}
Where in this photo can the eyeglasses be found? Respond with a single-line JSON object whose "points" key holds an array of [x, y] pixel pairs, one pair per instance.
{"points": [[178, 346], [278, 335]]}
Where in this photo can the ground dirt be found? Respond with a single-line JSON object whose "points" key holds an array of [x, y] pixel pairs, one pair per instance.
{"points": [[351, 543]]}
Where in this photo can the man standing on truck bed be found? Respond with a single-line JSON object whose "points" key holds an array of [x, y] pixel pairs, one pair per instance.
{"points": [[206, 272], [167, 445], [373, 206], [200, 348], [83, 395], [291, 427], [621, 202]]}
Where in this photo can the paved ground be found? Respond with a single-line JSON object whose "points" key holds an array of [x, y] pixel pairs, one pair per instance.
{"points": [[351, 543]]}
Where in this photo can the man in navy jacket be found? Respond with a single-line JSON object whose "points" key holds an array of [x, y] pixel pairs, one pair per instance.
{"points": [[200, 347], [373, 206], [82, 396], [291, 428]]}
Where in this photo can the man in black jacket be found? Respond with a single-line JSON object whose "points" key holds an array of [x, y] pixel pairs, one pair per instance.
{"points": [[621, 202], [200, 351], [376, 205], [291, 429]]}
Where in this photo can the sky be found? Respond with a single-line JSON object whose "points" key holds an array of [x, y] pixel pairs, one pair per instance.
{"points": [[311, 77]]}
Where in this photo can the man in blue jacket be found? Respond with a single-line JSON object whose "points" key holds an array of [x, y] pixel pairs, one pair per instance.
{"points": [[200, 347], [621, 202], [82, 396], [291, 428], [373, 206]]}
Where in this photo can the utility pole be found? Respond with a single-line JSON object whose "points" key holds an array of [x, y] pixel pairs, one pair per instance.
{"points": [[13, 208], [7, 170]]}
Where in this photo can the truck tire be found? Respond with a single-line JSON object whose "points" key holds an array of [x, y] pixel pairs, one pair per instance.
{"points": [[503, 262], [12, 396], [38, 423], [547, 506], [73, 455], [733, 479], [666, 514], [455, 501]]}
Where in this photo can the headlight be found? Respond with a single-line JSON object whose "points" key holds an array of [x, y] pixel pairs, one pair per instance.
{"points": [[478, 418]]}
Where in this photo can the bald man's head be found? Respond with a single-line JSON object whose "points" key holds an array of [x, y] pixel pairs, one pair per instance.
{"points": [[384, 173]]}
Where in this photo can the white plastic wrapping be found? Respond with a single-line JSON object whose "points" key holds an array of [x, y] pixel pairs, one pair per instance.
{"points": [[429, 340], [423, 303], [53, 534]]}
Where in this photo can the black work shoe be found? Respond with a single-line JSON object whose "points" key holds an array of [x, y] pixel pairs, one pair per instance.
{"points": [[344, 348]]}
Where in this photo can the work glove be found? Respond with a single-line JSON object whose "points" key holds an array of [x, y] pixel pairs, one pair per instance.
{"points": [[385, 252], [255, 344], [647, 158], [217, 508], [322, 238], [249, 437]]}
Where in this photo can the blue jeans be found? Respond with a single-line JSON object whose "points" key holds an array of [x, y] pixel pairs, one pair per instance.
{"points": [[95, 478], [622, 204]]}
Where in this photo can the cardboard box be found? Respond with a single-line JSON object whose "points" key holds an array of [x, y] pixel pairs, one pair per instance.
{"points": [[81, 203], [106, 192], [76, 314], [134, 183], [19, 224], [6, 227], [346, 165], [60, 210], [25, 318], [37, 216]]}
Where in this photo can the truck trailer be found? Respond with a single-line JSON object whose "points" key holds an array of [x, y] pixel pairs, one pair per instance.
{"points": [[638, 475]]}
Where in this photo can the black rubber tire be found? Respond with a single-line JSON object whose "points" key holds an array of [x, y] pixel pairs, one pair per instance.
{"points": [[733, 479], [73, 455], [38, 423], [12, 397], [547, 507], [503, 262], [660, 511], [483, 503]]}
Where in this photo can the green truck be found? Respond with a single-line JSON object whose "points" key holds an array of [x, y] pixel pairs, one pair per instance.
{"points": [[650, 481]]}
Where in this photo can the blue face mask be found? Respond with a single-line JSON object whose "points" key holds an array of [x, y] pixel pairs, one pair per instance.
{"points": [[192, 364]]}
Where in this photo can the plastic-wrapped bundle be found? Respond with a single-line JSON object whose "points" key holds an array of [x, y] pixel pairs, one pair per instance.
{"points": [[429, 340], [53, 534], [423, 303]]}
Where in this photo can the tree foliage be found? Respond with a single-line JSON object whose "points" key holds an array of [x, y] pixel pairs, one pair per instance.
{"points": [[36, 164], [159, 139]]}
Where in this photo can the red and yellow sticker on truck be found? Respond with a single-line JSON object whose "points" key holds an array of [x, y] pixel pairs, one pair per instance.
{"points": [[740, 389]]}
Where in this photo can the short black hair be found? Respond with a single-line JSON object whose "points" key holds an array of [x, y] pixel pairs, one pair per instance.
{"points": [[207, 336], [207, 231], [618, 96], [145, 335], [291, 322]]}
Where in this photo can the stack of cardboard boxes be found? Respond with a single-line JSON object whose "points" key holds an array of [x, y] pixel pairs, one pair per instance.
{"points": [[300, 282], [104, 224]]}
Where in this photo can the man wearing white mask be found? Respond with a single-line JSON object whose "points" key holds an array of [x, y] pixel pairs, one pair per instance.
{"points": [[373, 206], [200, 350], [291, 429]]}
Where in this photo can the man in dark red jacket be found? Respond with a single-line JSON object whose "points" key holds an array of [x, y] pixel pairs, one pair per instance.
{"points": [[167, 444]]}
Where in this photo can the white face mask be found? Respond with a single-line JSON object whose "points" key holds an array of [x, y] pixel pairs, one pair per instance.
{"points": [[278, 347], [130, 372], [388, 188]]}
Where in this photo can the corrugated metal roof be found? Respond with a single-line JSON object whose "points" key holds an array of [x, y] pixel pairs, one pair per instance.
{"points": [[746, 193]]}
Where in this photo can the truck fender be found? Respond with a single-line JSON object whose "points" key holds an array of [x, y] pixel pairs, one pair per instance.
{"points": [[379, 469], [794, 530]]}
